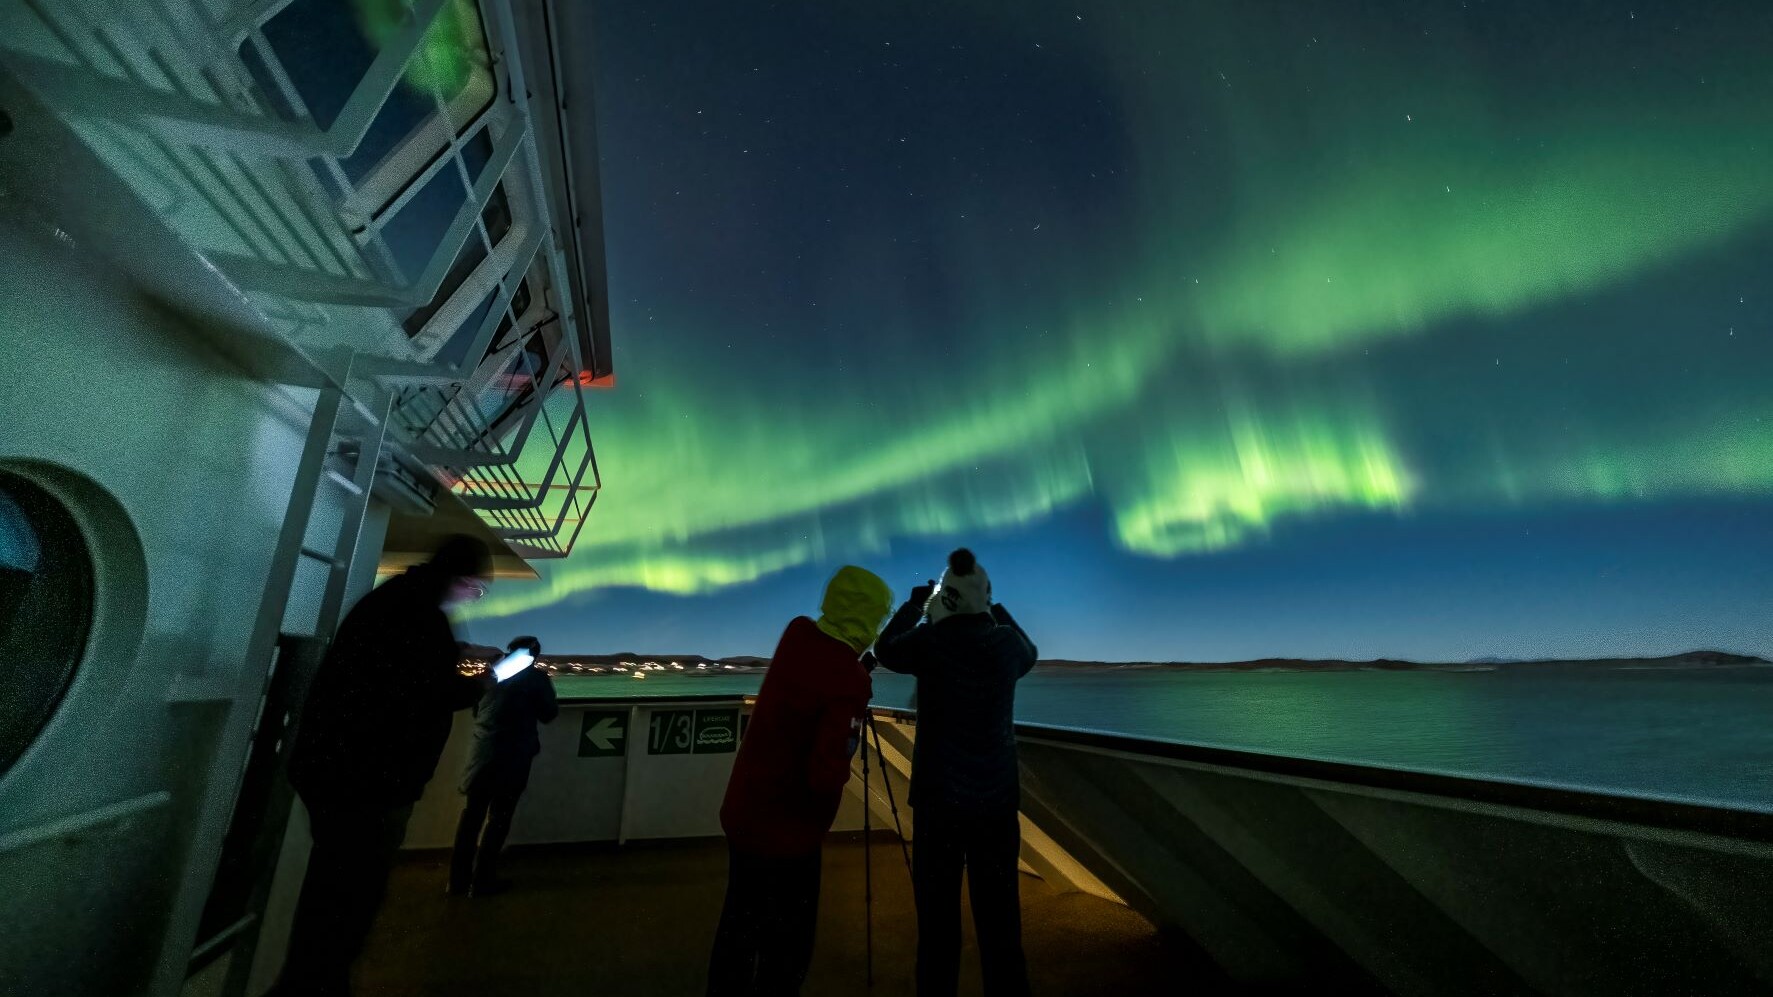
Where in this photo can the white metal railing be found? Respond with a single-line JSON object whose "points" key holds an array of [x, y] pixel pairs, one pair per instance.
{"points": [[367, 173]]}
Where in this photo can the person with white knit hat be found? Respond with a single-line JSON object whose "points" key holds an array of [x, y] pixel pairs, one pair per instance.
{"points": [[960, 593], [964, 791]]}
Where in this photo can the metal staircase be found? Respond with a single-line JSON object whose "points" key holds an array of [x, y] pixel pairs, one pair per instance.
{"points": [[384, 182]]}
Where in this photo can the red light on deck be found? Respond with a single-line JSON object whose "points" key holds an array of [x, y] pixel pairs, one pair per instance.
{"points": [[588, 379]]}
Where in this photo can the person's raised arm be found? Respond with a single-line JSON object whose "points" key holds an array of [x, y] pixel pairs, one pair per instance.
{"points": [[463, 691], [437, 675], [902, 646], [1029, 653]]}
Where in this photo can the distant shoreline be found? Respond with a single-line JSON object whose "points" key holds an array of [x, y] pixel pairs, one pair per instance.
{"points": [[1688, 660], [1698, 660], [627, 664]]}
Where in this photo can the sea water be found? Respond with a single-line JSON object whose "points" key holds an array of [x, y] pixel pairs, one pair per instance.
{"points": [[1700, 735]]}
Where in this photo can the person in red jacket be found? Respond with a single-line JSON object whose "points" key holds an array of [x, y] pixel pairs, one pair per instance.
{"points": [[785, 787]]}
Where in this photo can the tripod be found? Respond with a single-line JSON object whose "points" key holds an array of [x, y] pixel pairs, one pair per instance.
{"points": [[867, 857]]}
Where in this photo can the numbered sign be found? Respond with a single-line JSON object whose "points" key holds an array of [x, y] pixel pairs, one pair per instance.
{"points": [[716, 731], [671, 732], [603, 734]]}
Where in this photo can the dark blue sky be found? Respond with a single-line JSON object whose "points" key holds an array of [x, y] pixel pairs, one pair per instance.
{"points": [[1435, 331]]}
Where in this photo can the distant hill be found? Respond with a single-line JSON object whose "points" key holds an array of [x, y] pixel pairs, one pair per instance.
{"points": [[1689, 659]]}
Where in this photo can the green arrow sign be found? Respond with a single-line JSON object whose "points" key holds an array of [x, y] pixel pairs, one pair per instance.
{"points": [[603, 733]]}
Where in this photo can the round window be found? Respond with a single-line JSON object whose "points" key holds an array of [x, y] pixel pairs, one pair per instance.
{"points": [[46, 592]]}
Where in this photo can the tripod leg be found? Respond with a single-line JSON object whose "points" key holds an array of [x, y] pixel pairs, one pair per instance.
{"points": [[886, 777], [867, 869]]}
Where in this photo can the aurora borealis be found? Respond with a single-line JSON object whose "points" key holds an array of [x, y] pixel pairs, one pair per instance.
{"points": [[1434, 329]]}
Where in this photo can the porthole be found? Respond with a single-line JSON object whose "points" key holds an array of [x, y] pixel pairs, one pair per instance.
{"points": [[46, 607]]}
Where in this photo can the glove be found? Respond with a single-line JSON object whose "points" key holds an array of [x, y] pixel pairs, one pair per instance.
{"points": [[920, 594]]}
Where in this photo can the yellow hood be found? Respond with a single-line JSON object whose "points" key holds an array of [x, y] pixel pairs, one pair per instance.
{"points": [[856, 603]]}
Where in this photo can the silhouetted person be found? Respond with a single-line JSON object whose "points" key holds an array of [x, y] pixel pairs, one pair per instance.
{"points": [[785, 787], [505, 743], [374, 724], [964, 787]]}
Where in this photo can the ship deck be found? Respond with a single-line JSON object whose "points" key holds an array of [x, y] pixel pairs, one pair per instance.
{"points": [[638, 920]]}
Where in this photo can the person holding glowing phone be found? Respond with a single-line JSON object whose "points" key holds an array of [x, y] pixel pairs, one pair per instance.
{"points": [[505, 743]]}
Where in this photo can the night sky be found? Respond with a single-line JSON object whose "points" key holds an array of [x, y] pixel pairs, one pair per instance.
{"points": [[1406, 328]]}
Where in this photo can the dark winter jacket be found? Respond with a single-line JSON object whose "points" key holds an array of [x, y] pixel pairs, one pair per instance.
{"points": [[795, 758], [964, 758], [378, 713], [505, 737]]}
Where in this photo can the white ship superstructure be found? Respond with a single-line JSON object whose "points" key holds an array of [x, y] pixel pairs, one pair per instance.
{"points": [[291, 290]]}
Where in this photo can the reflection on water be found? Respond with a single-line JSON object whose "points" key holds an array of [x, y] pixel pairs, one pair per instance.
{"points": [[1701, 735]]}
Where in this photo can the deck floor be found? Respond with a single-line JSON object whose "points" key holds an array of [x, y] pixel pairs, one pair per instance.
{"points": [[639, 921]]}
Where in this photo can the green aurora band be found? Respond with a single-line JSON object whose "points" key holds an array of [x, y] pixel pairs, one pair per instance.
{"points": [[1236, 374], [452, 54]]}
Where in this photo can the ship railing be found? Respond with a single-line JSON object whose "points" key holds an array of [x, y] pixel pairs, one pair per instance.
{"points": [[1285, 872], [1363, 877]]}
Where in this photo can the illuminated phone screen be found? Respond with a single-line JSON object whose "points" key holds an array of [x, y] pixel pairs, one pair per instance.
{"points": [[513, 663]]}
